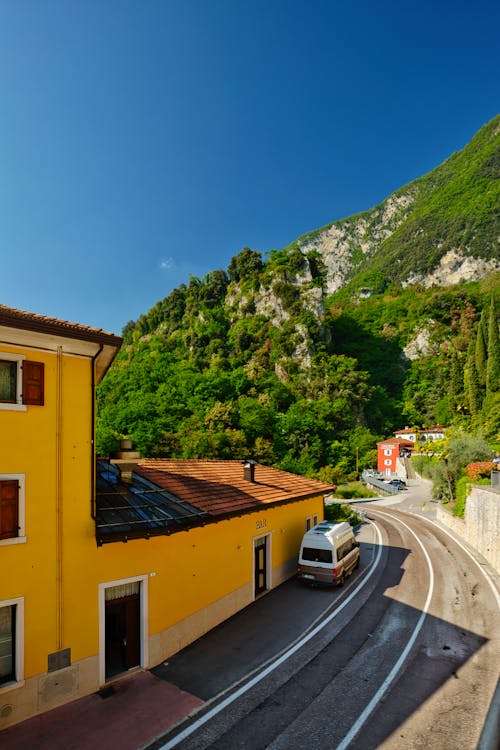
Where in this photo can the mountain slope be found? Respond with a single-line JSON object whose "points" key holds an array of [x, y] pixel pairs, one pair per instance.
{"points": [[303, 360], [445, 222]]}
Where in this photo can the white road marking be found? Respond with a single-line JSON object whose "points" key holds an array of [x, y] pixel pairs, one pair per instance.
{"points": [[188, 731], [483, 571], [356, 727]]}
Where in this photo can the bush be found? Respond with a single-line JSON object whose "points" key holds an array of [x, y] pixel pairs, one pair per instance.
{"points": [[479, 469], [462, 491], [353, 490], [337, 513]]}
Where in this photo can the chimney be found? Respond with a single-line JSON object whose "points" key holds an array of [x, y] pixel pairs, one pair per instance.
{"points": [[249, 470], [125, 459]]}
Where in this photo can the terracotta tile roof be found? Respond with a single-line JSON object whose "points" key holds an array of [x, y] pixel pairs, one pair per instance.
{"points": [[398, 441], [13, 318], [218, 487]]}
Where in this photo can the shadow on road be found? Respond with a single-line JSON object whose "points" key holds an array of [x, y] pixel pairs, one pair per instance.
{"points": [[340, 677]]}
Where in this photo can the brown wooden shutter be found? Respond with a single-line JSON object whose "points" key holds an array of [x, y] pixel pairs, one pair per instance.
{"points": [[9, 508], [33, 381]]}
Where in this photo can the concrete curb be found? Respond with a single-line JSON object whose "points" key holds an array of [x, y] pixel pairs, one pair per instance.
{"points": [[490, 736]]}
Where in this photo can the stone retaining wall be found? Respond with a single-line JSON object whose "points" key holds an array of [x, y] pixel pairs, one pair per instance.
{"points": [[481, 526]]}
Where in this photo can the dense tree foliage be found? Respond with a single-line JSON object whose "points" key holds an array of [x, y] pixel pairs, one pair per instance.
{"points": [[205, 373], [257, 361]]}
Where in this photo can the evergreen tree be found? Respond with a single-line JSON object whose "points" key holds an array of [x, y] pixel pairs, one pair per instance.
{"points": [[473, 385], [493, 362], [456, 383], [481, 348]]}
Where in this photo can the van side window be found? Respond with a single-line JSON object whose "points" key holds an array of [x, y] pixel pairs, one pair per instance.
{"points": [[317, 555], [344, 549]]}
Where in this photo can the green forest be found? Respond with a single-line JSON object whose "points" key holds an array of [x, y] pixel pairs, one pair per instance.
{"points": [[192, 382], [260, 361]]}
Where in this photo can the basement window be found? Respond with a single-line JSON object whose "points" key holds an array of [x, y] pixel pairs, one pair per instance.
{"points": [[21, 382]]}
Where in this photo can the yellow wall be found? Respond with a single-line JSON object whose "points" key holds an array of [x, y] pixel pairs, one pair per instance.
{"points": [[53, 469], [191, 569], [59, 568], [196, 568]]}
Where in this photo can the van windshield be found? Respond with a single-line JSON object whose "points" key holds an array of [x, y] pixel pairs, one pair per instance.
{"points": [[317, 555]]}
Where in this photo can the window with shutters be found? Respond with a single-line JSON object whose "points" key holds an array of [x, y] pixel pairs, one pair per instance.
{"points": [[12, 529], [21, 382], [11, 643]]}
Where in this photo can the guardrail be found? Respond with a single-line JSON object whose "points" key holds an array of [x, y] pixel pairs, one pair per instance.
{"points": [[379, 484]]}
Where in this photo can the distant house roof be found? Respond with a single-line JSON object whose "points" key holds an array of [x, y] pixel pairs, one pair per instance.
{"points": [[422, 430], [397, 441], [168, 495]]}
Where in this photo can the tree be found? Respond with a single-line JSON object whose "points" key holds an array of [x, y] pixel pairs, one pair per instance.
{"points": [[481, 349], [246, 264], [463, 450], [493, 363], [473, 386], [456, 383], [128, 330]]}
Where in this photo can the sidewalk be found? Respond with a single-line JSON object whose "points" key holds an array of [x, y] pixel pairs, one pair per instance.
{"points": [[133, 711], [139, 708]]}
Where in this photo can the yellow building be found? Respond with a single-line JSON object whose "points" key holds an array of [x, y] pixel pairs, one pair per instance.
{"points": [[116, 568]]}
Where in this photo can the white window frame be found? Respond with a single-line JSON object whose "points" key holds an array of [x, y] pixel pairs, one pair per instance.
{"points": [[387, 451], [21, 510], [19, 639], [18, 406], [387, 462], [144, 635]]}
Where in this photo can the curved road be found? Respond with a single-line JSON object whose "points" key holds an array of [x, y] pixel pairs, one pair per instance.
{"points": [[407, 657]]}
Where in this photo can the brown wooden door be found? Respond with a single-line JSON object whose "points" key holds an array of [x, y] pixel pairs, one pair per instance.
{"points": [[260, 561], [133, 632], [123, 634]]}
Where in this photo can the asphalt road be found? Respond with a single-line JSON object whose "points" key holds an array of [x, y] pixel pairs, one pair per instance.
{"points": [[405, 655]]}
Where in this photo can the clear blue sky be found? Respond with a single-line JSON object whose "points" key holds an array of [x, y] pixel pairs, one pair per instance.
{"points": [[142, 142]]}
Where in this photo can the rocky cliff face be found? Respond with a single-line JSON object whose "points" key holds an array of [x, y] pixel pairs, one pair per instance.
{"points": [[441, 229], [454, 268], [346, 244]]}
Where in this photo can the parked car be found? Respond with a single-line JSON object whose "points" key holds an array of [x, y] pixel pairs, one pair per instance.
{"points": [[329, 552], [399, 483]]}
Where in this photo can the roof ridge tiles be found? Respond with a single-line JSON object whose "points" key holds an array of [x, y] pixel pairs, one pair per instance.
{"points": [[16, 318]]}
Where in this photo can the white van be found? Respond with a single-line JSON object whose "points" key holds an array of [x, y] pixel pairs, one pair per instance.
{"points": [[328, 553]]}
